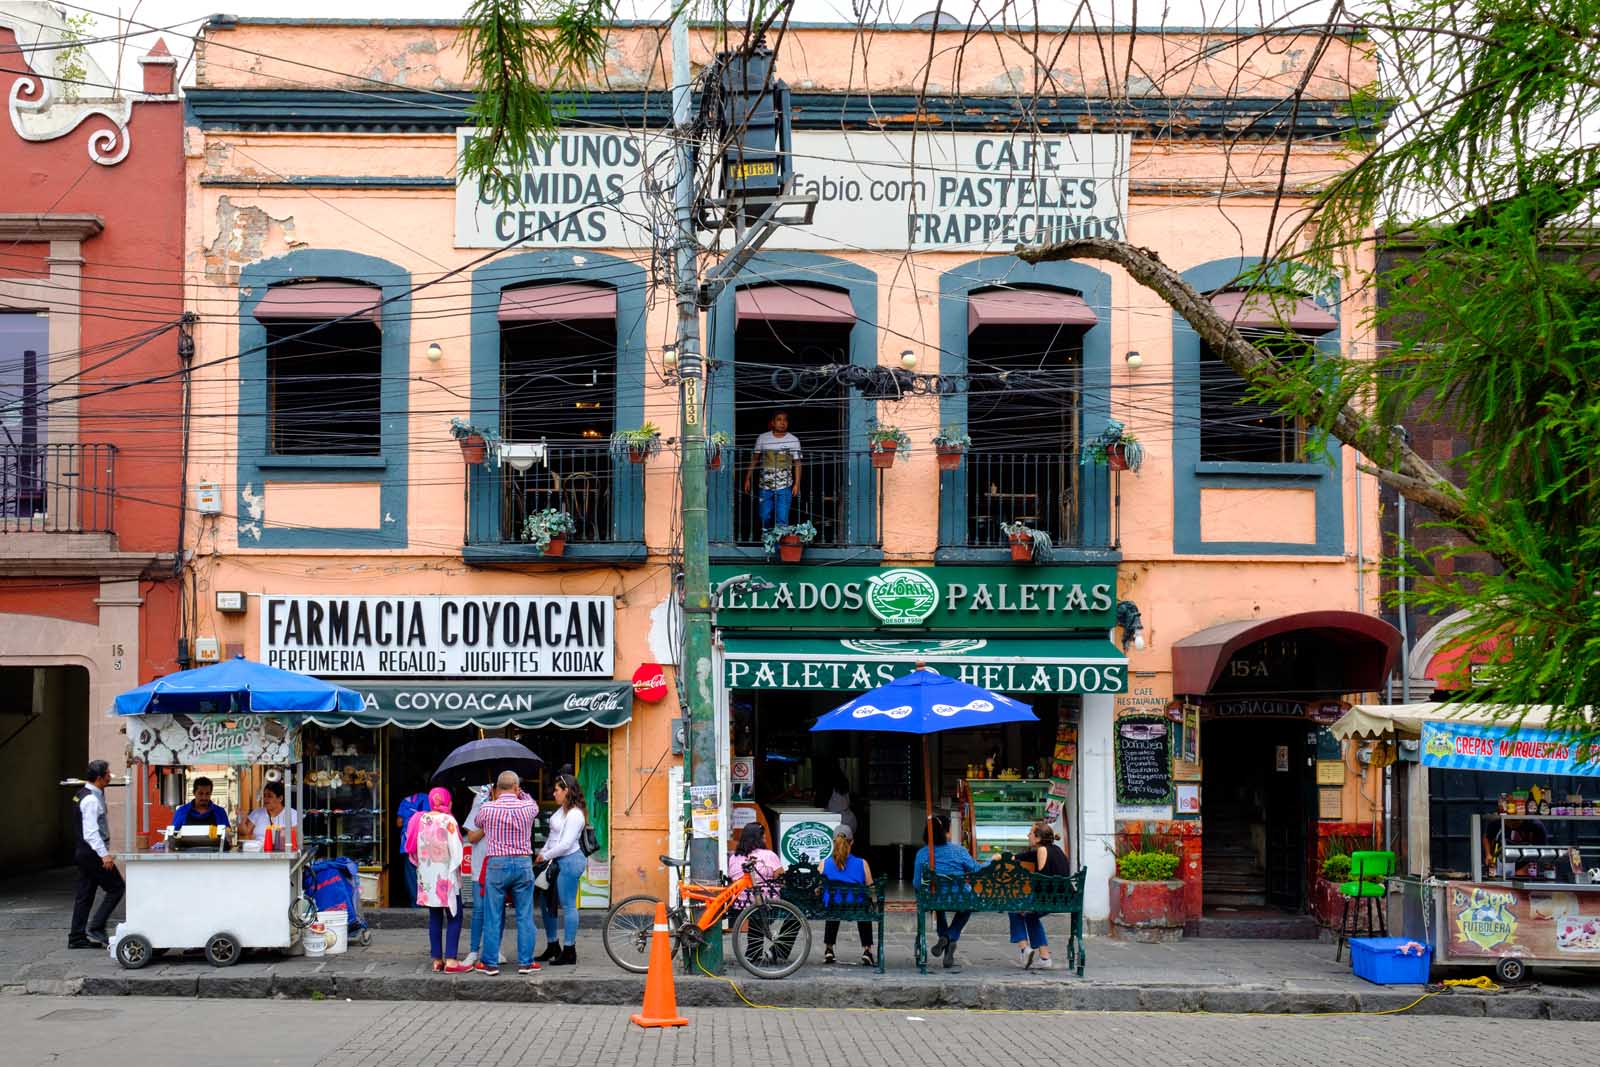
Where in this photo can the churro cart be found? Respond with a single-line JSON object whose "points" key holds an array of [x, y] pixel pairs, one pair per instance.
{"points": [[200, 888]]}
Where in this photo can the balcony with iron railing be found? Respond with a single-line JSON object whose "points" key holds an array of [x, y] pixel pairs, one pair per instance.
{"points": [[58, 488], [840, 495], [603, 495], [1075, 504]]}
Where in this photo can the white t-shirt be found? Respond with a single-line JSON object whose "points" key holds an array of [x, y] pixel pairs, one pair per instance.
{"points": [[777, 459], [259, 819]]}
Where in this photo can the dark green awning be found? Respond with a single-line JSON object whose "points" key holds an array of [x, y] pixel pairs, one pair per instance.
{"points": [[1079, 664], [529, 705]]}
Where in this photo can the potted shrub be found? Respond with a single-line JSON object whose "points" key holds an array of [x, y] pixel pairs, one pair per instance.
{"points": [[1147, 895], [788, 540], [714, 446], [547, 530], [949, 444], [476, 444], [886, 442], [638, 445], [1116, 448], [1027, 544]]}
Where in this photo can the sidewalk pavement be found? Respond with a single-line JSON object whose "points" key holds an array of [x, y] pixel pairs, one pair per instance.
{"points": [[1229, 976]]}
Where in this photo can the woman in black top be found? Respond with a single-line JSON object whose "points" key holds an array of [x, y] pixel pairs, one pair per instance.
{"points": [[1027, 928]]}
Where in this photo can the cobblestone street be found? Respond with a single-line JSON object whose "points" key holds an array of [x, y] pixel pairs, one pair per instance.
{"points": [[135, 1031]]}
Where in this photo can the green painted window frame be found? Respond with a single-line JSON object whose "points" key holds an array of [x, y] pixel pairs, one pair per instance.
{"points": [[1190, 475], [256, 464], [1094, 286], [630, 282]]}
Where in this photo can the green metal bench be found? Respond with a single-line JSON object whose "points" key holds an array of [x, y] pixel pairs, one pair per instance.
{"points": [[819, 897], [1003, 886]]}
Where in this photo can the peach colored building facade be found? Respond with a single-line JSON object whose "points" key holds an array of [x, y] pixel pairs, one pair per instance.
{"points": [[297, 175]]}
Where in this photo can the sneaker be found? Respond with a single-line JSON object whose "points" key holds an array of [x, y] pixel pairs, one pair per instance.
{"points": [[470, 961], [866, 958], [1022, 957], [1045, 963], [483, 968], [827, 954], [950, 955], [457, 968], [940, 945], [528, 969]]}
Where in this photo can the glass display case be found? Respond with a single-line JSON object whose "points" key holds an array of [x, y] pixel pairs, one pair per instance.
{"points": [[344, 813], [999, 813]]}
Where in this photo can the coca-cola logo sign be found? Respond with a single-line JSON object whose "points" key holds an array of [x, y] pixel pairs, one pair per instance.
{"points": [[650, 683], [603, 700]]}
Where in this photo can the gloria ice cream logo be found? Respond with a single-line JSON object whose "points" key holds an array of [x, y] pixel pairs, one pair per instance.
{"points": [[902, 597], [867, 711], [977, 704], [1484, 916], [806, 842]]}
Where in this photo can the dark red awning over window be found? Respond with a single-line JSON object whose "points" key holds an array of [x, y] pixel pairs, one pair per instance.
{"points": [[560, 302], [307, 301], [1028, 307], [1263, 311], [795, 303]]}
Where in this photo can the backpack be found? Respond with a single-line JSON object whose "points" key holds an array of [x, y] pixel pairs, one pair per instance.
{"points": [[410, 806]]}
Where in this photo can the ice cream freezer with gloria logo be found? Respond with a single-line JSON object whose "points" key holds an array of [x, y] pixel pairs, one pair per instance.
{"points": [[804, 832]]}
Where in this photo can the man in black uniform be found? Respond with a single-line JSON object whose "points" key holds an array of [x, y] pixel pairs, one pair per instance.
{"points": [[96, 868]]}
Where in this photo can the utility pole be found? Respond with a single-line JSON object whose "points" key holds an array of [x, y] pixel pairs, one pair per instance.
{"points": [[700, 749]]}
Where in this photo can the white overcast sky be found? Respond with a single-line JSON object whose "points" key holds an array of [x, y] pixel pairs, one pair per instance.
{"points": [[181, 17]]}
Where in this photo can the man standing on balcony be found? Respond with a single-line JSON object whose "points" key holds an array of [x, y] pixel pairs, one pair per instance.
{"points": [[777, 453]]}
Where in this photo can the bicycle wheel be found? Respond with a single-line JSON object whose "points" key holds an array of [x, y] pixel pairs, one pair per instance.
{"points": [[629, 926], [771, 939]]}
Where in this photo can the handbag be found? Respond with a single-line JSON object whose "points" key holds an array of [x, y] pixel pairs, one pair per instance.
{"points": [[588, 841], [541, 880]]}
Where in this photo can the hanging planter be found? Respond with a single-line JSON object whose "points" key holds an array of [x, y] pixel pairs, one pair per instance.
{"points": [[1118, 449], [714, 446], [887, 442], [1027, 544], [949, 445], [638, 445], [475, 442], [788, 541]]}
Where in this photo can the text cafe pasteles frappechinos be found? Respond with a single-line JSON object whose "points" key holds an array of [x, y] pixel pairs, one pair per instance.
{"points": [[434, 671], [795, 642]]}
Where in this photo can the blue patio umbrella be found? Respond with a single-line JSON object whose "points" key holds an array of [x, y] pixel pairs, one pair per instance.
{"points": [[925, 702], [237, 685]]}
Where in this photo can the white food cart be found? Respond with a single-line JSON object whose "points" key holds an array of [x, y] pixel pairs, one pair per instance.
{"points": [[202, 890]]}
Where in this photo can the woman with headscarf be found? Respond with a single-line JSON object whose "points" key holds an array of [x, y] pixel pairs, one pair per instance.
{"points": [[433, 845]]}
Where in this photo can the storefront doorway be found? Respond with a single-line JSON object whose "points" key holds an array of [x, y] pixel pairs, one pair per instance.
{"points": [[44, 737], [1259, 789]]}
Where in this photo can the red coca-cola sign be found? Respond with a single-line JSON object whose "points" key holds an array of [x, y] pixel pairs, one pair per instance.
{"points": [[650, 683]]}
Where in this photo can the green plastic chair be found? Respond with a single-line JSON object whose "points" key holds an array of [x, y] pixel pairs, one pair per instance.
{"points": [[1366, 890]]}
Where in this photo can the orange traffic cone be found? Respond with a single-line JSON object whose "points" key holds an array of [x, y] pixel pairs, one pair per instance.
{"points": [[660, 996]]}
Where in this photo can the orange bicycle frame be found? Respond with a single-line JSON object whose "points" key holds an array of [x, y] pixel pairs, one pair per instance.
{"points": [[716, 898]]}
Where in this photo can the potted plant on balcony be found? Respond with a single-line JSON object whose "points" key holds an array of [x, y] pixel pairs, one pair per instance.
{"points": [[951, 443], [1027, 544], [1116, 448], [638, 445], [547, 530], [886, 442], [477, 444], [714, 446], [788, 540]]}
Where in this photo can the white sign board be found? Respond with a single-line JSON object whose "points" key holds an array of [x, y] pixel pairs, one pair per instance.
{"points": [[454, 636], [969, 192]]}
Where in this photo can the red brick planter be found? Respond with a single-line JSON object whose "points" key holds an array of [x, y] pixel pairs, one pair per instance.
{"points": [[1147, 911]]}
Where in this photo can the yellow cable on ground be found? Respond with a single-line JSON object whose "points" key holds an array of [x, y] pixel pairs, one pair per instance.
{"points": [[1478, 983]]}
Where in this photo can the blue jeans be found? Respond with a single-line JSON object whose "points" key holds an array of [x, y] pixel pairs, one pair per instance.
{"points": [[550, 908], [1028, 926], [411, 883], [513, 874], [564, 889], [479, 906], [442, 922], [774, 504]]}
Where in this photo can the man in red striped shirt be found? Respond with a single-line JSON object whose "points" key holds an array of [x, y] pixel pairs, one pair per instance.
{"points": [[505, 833]]}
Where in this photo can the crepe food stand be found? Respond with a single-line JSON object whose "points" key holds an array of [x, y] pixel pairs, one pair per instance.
{"points": [[200, 888], [1533, 895]]}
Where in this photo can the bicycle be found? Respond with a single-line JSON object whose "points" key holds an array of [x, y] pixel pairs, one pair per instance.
{"points": [[771, 937]]}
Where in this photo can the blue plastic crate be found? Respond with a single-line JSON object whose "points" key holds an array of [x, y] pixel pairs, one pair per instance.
{"points": [[1378, 960]]}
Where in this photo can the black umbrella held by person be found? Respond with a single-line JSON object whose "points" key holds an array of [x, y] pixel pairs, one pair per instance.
{"points": [[477, 762]]}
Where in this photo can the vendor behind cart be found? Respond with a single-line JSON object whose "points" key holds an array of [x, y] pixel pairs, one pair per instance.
{"points": [[271, 813], [200, 811]]}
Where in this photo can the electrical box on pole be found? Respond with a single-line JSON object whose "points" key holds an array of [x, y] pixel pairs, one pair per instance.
{"points": [[753, 127]]}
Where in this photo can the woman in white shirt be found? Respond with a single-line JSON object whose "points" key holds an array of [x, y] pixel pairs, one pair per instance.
{"points": [[567, 862], [271, 813]]}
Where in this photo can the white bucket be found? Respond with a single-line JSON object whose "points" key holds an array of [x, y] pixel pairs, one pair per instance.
{"points": [[337, 924], [316, 940]]}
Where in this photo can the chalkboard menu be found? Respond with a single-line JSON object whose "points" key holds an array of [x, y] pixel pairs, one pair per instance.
{"points": [[1144, 760]]}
